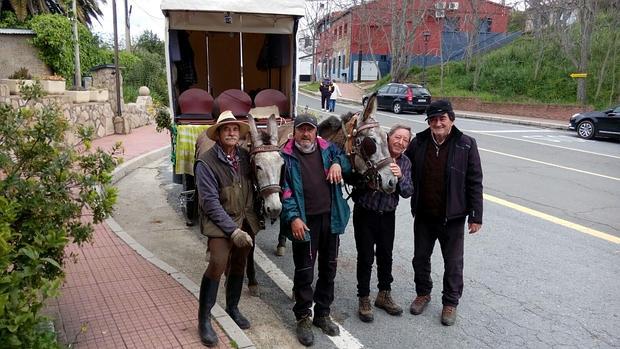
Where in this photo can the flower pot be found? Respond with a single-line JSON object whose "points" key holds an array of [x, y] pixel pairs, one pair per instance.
{"points": [[53, 87], [13, 84], [78, 96], [99, 95]]}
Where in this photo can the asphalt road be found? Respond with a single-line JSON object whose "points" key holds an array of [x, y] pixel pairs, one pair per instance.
{"points": [[543, 272]]}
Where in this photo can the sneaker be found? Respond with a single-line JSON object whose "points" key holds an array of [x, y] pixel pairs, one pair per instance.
{"points": [[304, 331], [327, 325], [384, 301], [448, 315], [280, 250], [419, 304], [365, 310]]}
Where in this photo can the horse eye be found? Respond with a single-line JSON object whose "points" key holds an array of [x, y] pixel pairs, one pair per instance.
{"points": [[258, 168]]}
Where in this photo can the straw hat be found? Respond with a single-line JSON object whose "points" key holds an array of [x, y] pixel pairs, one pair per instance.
{"points": [[225, 118]]}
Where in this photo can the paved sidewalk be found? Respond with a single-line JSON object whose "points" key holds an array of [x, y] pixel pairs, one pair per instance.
{"points": [[117, 294]]}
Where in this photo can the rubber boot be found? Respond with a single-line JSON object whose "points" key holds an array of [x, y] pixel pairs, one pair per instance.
{"points": [[234, 284], [208, 296]]}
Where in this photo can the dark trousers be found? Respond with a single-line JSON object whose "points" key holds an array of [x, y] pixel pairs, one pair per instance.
{"points": [[451, 237], [324, 101], [372, 229], [304, 254], [224, 256]]}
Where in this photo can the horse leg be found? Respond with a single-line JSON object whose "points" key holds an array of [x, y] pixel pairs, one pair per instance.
{"points": [[251, 272], [281, 248]]}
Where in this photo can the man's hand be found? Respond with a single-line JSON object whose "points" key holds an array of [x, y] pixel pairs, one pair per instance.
{"points": [[474, 227], [335, 173], [241, 238], [299, 228], [396, 170]]}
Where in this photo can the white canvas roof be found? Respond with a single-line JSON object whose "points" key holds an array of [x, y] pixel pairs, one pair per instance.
{"points": [[280, 7]]}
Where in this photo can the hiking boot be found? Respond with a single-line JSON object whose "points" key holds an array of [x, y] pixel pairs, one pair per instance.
{"points": [[384, 301], [327, 325], [304, 331], [365, 310], [448, 315], [419, 304]]}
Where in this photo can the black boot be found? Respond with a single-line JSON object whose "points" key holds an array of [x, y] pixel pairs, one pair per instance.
{"points": [[234, 284], [208, 295]]}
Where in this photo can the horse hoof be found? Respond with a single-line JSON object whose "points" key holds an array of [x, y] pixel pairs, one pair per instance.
{"points": [[280, 250], [254, 290]]}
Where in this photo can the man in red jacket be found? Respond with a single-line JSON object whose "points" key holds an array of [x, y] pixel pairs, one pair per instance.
{"points": [[447, 177]]}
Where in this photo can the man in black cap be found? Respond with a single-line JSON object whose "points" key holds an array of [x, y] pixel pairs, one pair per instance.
{"points": [[314, 214], [447, 177]]}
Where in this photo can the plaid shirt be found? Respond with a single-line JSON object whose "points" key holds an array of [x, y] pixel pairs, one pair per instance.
{"points": [[381, 202]]}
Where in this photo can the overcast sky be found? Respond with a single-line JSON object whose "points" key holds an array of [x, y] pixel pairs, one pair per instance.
{"points": [[145, 15]]}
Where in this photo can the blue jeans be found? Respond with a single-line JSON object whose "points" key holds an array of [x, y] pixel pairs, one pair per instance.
{"points": [[332, 105]]}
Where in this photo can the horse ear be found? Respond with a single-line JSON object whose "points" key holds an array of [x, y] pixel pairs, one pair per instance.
{"points": [[371, 107], [272, 128], [256, 141]]}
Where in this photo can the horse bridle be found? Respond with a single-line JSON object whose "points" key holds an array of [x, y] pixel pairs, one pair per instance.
{"points": [[268, 189], [353, 149]]}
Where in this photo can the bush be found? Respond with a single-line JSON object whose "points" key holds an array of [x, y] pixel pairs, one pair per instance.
{"points": [[46, 185], [21, 74]]}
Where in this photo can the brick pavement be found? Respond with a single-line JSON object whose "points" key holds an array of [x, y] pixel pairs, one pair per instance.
{"points": [[112, 296]]}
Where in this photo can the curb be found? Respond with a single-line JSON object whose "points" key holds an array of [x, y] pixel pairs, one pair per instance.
{"points": [[467, 115], [217, 313]]}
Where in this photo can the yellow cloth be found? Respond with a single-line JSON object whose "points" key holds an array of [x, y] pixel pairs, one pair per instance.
{"points": [[186, 147]]}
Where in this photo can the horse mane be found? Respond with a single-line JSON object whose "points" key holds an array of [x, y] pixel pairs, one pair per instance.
{"points": [[330, 128]]}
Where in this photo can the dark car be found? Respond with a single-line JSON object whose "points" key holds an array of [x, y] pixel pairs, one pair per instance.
{"points": [[402, 97], [592, 124]]}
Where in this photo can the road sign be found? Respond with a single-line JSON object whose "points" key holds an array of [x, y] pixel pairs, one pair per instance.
{"points": [[578, 75]]}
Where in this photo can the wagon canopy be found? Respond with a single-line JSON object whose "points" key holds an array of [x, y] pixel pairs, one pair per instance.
{"points": [[245, 16]]}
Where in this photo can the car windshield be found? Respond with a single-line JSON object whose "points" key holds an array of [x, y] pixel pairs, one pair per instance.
{"points": [[418, 91]]}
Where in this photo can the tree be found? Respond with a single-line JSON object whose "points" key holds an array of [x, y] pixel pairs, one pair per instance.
{"points": [[87, 10], [46, 187]]}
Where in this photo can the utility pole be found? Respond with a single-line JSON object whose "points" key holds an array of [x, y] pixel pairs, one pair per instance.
{"points": [[78, 73], [117, 70], [127, 33]]}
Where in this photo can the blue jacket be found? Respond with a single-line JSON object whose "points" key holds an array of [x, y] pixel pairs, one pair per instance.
{"points": [[293, 205]]}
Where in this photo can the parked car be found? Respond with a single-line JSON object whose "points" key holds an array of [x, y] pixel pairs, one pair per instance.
{"points": [[592, 124], [402, 97]]}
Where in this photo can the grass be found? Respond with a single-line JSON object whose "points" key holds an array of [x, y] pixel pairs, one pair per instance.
{"points": [[311, 87]]}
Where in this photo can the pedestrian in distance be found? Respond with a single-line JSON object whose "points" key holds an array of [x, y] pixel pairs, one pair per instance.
{"points": [[314, 214], [227, 217], [447, 177], [334, 96], [326, 88], [374, 224]]}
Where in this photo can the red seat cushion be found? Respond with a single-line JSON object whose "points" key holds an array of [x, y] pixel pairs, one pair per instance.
{"points": [[269, 97], [237, 101], [196, 101]]}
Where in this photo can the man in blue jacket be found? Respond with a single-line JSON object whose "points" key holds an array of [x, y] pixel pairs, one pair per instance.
{"points": [[447, 177], [314, 214]]}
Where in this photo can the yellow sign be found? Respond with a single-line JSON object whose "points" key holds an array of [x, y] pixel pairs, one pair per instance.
{"points": [[579, 75]]}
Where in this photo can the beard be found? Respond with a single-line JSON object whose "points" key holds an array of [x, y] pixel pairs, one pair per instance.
{"points": [[306, 147]]}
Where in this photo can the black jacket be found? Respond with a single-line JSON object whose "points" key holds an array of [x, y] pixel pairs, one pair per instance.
{"points": [[463, 174]]}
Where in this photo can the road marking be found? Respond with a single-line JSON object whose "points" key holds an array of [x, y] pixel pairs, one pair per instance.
{"points": [[550, 164], [345, 340], [515, 131], [578, 227]]}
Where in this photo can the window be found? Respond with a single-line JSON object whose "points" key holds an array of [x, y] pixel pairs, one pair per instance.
{"points": [[345, 28], [393, 90], [384, 58], [383, 89]]}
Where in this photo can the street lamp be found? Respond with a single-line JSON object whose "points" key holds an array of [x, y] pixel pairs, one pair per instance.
{"points": [[426, 35]]}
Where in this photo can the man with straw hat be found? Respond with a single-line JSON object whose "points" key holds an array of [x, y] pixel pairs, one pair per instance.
{"points": [[227, 217]]}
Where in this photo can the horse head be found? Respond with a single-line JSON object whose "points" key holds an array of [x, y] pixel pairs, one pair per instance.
{"points": [[367, 145], [267, 164]]}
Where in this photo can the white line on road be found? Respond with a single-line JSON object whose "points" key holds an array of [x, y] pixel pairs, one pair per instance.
{"points": [[345, 340], [515, 131], [550, 164]]}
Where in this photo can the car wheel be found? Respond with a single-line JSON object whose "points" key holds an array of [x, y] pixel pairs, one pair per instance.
{"points": [[585, 129], [396, 108]]}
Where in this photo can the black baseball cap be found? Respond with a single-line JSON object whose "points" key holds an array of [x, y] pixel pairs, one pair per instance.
{"points": [[305, 119], [438, 108]]}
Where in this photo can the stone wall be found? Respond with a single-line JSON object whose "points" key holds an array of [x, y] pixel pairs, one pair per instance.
{"points": [[18, 52], [543, 111], [106, 78]]}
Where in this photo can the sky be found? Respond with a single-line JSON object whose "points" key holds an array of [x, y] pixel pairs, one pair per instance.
{"points": [[145, 15]]}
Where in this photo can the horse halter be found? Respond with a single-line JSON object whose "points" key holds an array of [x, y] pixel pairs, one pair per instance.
{"points": [[363, 146], [271, 188]]}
